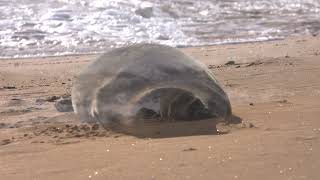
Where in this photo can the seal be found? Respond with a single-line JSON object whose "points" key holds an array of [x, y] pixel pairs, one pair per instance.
{"points": [[144, 83]]}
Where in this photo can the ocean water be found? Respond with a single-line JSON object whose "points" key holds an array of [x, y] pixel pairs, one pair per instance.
{"points": [[56, 27]]}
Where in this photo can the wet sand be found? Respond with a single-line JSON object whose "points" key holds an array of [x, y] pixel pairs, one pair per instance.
{"points": [[273, 87]]}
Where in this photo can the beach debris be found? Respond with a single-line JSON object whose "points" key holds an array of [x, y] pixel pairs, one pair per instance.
{"points": [[254, 64], [251, 125], [190, 149], [229, 63], [16, 99], [47, 99], [238, 65], [284, 101], [5, 142], [9, 87], [52, 98], [135, 86]]}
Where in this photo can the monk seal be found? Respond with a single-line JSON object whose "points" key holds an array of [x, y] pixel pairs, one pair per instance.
{"points": [[143, 83]]}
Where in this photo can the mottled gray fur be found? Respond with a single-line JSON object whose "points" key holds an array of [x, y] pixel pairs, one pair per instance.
{"points": [[146, 81]]}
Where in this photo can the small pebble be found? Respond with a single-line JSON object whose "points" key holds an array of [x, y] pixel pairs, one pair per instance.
{"points": [[251, 125], [190, 149]]}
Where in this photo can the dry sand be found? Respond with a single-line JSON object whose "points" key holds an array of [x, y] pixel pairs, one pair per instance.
{"points": [[274, 88]]}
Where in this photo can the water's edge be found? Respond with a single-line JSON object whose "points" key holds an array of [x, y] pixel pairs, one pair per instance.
{"points": [[99, 53]]}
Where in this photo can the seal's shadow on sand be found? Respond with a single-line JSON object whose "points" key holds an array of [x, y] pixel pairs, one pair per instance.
{"points": [[161, 129], [175, 129]]}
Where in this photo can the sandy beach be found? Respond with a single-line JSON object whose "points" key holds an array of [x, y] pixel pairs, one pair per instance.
{"points": [[273, 87]]}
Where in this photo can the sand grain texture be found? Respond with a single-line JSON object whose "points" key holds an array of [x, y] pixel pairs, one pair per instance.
{"points": [[273, 87]]}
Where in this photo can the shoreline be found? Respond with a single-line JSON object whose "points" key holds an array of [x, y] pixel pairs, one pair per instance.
{"points": [[179, 47], [273, 87], [186, 49]]}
